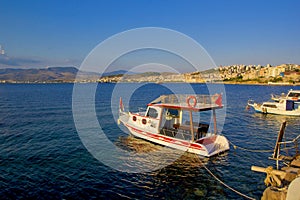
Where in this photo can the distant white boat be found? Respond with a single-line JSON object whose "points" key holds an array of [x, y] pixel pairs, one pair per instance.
{"points": [[282, 107], [279, 83], [165, 123]]}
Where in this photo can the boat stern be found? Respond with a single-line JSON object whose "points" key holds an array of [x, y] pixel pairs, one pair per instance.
{"points": [[214, 144]]}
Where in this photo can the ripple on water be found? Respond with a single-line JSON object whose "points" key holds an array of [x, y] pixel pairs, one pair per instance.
{"points": [[42, 156]]}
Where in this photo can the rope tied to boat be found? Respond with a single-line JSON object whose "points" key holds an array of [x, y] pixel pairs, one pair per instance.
{"points": [[250, 150], [224, 184]]}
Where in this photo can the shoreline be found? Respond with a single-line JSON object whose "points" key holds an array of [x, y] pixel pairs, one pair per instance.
{"points": [[224, 82]]}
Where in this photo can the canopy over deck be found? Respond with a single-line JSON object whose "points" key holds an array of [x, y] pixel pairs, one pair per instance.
{"points": [[196, 103]]}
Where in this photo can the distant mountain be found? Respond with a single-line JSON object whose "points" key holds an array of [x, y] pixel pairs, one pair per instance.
{"points": [[64, 74], [51, 74], [118, 72]]}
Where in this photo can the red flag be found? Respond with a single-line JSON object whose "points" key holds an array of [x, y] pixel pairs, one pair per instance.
{"points": [[219, 100]]}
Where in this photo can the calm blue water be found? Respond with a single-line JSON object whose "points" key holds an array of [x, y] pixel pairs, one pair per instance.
{"points": [[42, 157]]}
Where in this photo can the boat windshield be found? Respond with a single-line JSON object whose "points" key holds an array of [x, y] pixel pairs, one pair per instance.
{"points": [[152, 112], [293, 94]]}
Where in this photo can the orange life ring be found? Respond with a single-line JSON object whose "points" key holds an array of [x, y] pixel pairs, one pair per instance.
{"points": [[194, 101]]}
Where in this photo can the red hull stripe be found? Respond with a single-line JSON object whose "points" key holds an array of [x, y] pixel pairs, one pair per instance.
{"points": [[166, 139], [207, 141]]}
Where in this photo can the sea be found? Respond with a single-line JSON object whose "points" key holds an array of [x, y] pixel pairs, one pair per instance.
{"points": [[43, 155]]}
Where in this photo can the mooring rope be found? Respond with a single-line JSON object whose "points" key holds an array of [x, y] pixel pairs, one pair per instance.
{"points": [[251, 150], [220, 181]]}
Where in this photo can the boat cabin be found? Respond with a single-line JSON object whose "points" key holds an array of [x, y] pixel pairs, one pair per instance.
{"points": [[174, 118], [294, 95], [282, 104], [171, 122]]}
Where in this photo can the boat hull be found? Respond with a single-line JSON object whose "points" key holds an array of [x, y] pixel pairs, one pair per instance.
{"points": [[207, 146], [278, 112], [275, 111]]}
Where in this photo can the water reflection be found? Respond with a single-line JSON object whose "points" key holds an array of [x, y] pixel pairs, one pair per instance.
{"points": [[185, 177], [270, 119]]}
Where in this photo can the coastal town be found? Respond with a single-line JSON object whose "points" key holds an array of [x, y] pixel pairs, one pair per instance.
{"points": [[253, 74], [284, 74]]}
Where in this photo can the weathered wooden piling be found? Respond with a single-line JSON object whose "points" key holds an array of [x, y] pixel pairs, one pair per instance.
{"points": [[278, 181]]}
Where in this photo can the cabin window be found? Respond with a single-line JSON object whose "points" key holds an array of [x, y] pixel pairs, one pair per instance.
{"points": [[270, 105], [293, 94], [173, 112], [152, 113]]}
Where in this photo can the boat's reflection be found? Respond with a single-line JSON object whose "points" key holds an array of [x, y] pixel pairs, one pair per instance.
{"points": [[161, 154]]}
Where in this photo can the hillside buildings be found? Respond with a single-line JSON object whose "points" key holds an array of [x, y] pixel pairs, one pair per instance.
{"points": [[284, 72], [236, 73]]}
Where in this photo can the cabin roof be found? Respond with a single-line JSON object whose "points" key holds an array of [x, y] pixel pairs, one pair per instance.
{"points": [[197, 108], [193, 102], [294, 90]]}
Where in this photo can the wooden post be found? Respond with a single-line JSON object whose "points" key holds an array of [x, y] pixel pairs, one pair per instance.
{"points": [[215, 121], [279, 139], [191, 125]]}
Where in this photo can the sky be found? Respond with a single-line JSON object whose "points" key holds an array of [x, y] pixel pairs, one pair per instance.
{"points": [[40, 33]]}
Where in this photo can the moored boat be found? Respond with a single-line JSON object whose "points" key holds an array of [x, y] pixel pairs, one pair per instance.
{"points": [[168, 121], [282, 107]]}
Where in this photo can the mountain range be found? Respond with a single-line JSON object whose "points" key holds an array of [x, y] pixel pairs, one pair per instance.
{"points": [[50, 74], [60, 74]]}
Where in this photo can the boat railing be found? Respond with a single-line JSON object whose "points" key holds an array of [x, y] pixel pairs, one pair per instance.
{"points": [[276, 96], [192, 99], [184, 131]]}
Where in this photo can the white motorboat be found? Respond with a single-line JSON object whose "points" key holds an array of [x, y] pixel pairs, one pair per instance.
{"points": [[281, 107]]}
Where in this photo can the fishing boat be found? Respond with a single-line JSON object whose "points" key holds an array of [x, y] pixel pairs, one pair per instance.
{"points": [[293, 95], [168, 121], [283, 106]]}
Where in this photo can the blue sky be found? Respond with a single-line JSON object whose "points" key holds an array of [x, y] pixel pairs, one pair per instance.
{"points": [[38, 33]]}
